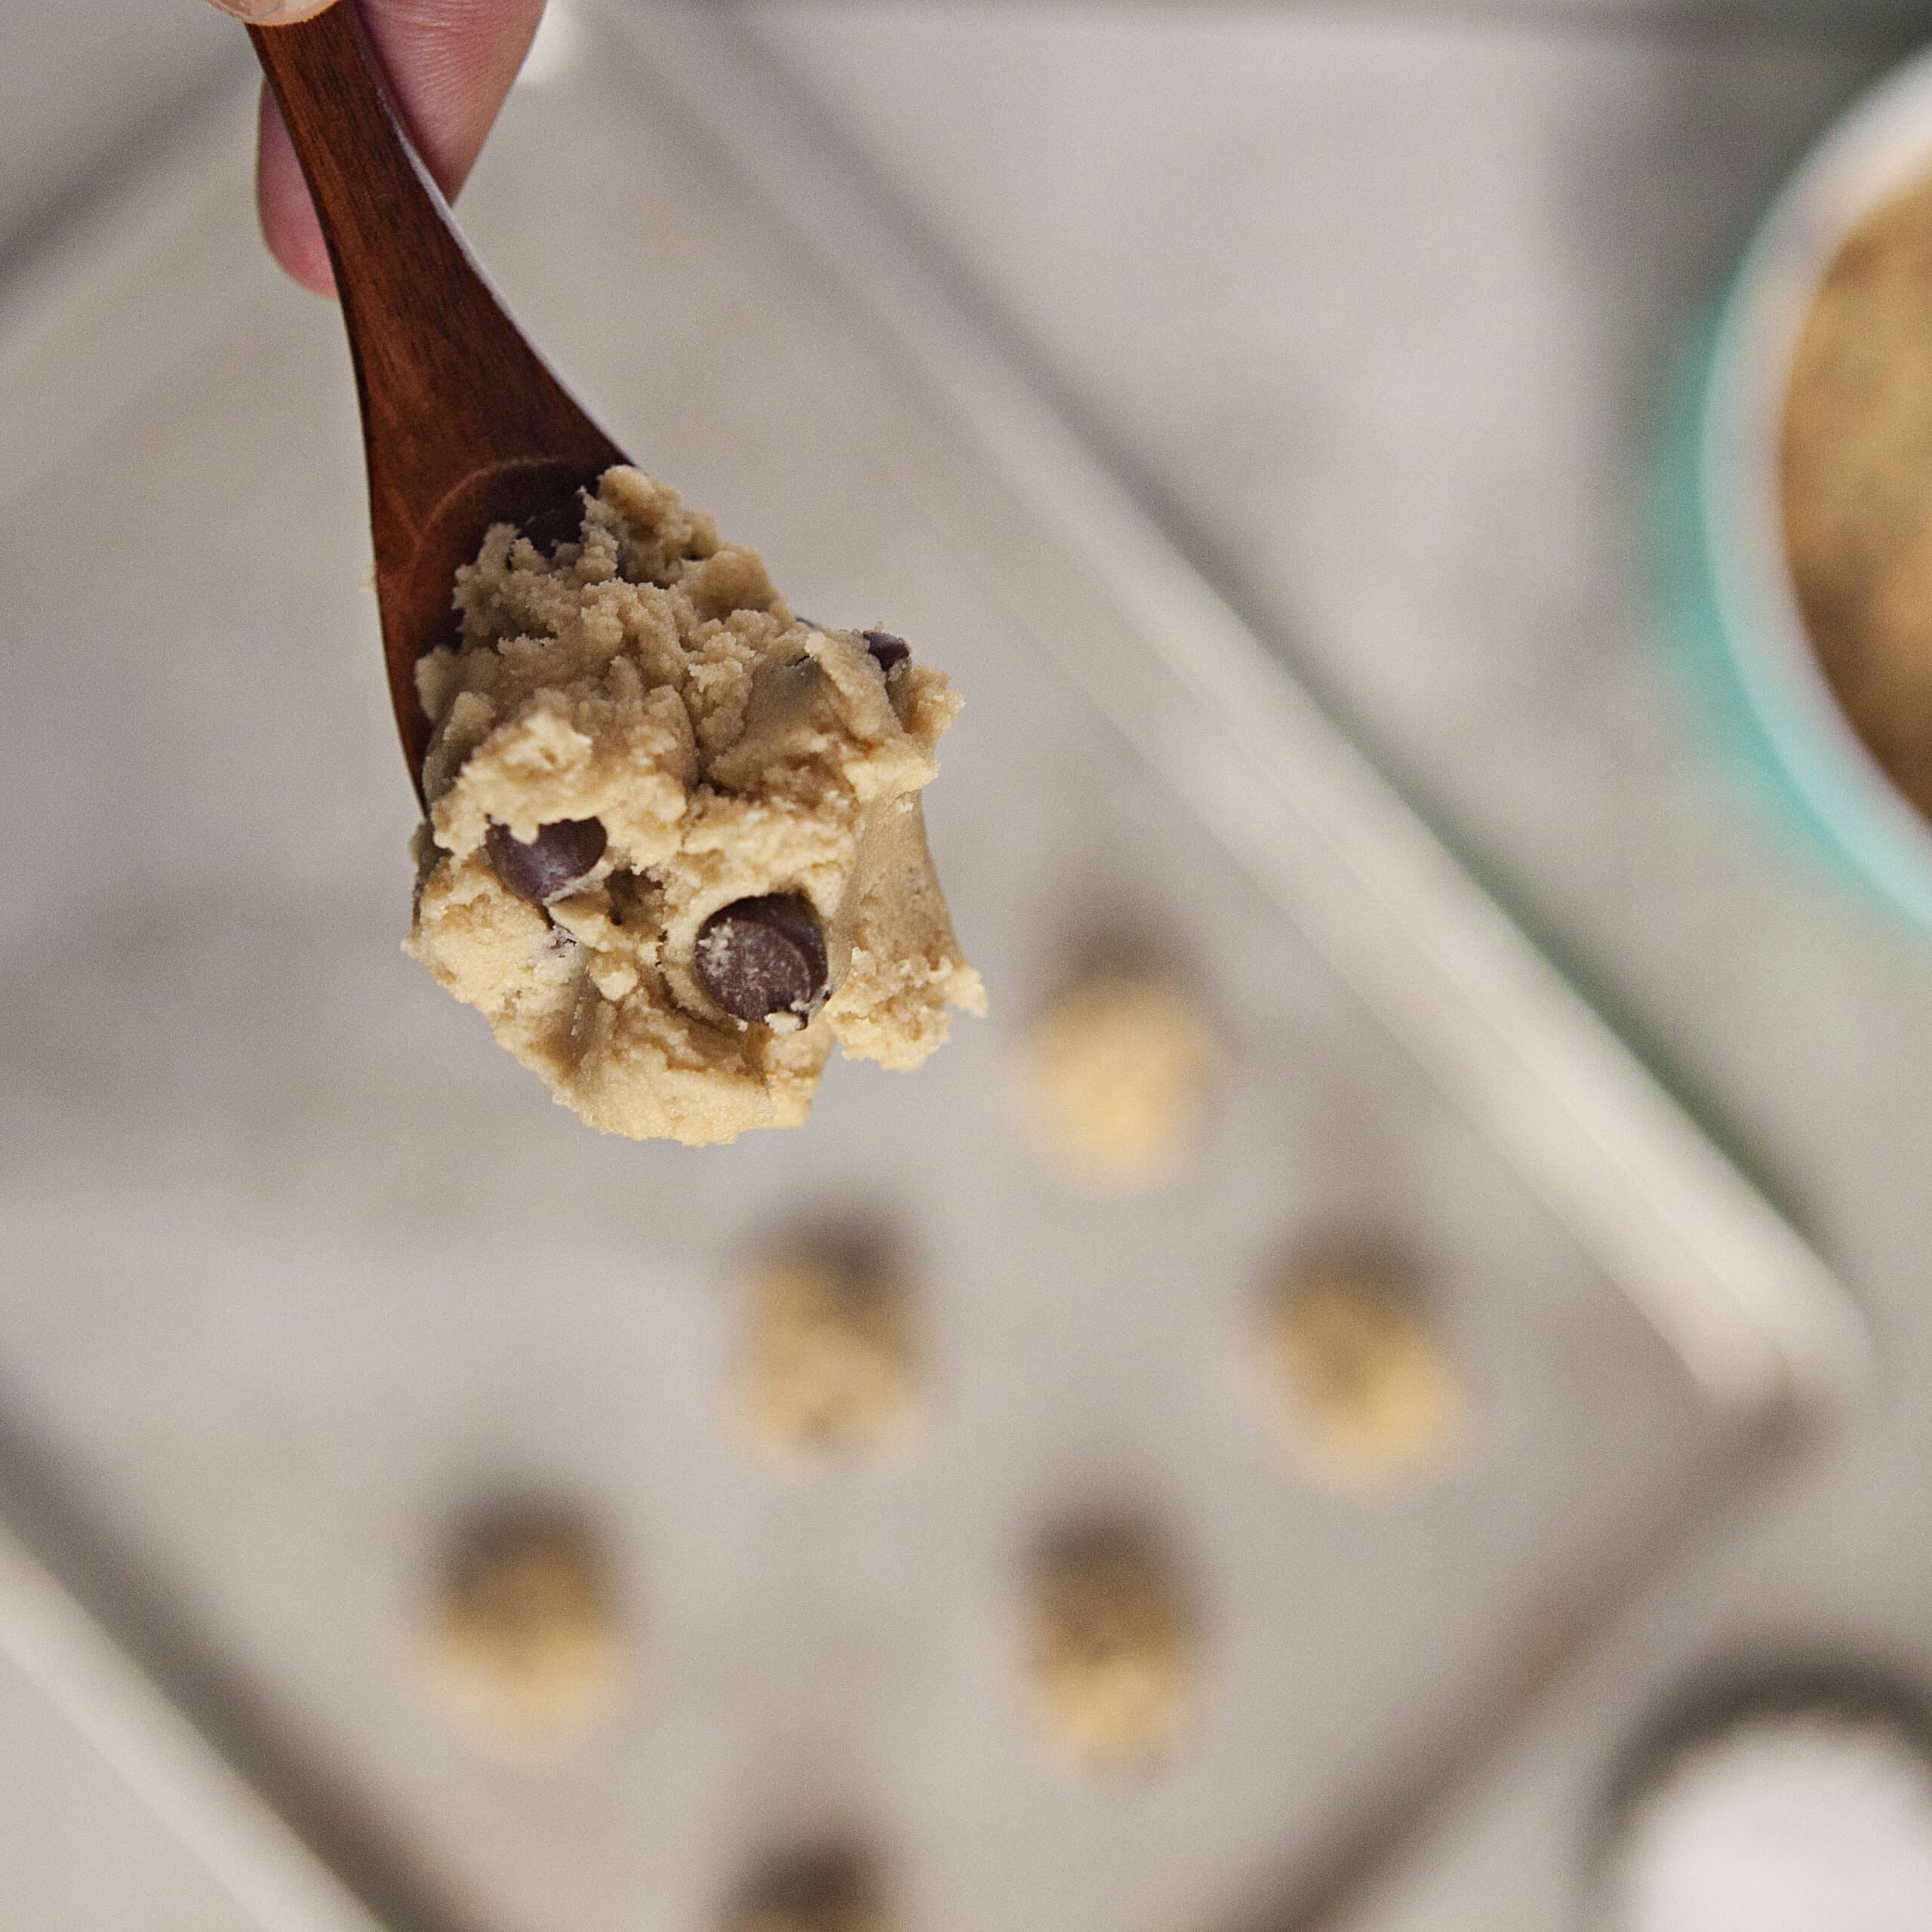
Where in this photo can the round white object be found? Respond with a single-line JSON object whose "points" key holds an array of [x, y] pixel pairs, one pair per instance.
{"points": [[1817, 1822]]}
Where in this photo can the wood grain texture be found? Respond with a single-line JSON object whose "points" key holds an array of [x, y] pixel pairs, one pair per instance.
{"points": [[463, 423]]}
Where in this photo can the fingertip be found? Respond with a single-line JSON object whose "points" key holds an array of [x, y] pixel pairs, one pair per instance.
{"points": [[289, 227], [450, 67], [273, 13]]}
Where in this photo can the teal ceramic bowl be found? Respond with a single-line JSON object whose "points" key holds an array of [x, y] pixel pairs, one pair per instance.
{"points": [[1732, 607]]}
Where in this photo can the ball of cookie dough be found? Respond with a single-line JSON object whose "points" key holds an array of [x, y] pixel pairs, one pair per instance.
{"points": [[1113, 1660], [675, 848], [1115, 1079], [830, 1890], [525, 1646], [1783, 1821], [1363, 1394], [833, 1367]]}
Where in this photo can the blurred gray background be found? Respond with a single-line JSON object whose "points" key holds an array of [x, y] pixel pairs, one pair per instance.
{"points": [[87, 89]]}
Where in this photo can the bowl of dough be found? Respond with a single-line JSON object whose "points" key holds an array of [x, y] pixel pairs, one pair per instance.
{"points": [[1798, 500]]}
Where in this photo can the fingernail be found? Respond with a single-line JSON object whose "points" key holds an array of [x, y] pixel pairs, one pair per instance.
{"points": [[273, 12]]}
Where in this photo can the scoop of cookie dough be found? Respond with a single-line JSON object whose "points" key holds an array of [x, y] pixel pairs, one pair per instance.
{"points": [[832, 1368], [1113, 1657], [1115, 1077], [1365, 1397], [526, 1646], [832, 1889], [675, 847]]}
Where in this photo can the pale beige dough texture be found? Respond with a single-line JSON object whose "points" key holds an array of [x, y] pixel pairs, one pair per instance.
{"points": [[1116, 1077], [525, 1646], [1112, 1659], [831, 1369], [650, 677], [1362, 1392]]}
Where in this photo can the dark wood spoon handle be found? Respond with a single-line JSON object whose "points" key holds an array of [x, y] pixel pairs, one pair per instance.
{"points": [[463, 422]]}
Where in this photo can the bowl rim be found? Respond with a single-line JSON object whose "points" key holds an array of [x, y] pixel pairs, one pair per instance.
{"points": [[1882, 142]]}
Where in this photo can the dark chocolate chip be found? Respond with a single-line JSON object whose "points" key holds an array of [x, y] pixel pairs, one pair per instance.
{"points": [[886, 649], [557, 859], [761, 956], [563, 525]]}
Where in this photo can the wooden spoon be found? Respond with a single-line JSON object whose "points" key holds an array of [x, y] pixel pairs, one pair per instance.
{"points": [[464, 424]]}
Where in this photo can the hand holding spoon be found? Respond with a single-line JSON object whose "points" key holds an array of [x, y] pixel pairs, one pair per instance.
{"points": [[463, 423]]}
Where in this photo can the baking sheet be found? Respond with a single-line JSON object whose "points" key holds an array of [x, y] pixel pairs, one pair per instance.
{"points": [[297, 1268]]}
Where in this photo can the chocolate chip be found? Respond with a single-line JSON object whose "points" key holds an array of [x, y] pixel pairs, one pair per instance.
{"points": [[886, 649], [563, 525], [557, 859], [761, 956]]}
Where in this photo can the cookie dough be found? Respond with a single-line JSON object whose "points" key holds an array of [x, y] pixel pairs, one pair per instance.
{"points": [[828, 1891], [1115, 1077], [1364, 1397], [675, 847], [1857, 487], [525, 1646], [1113, 1653], [832, 1365]]}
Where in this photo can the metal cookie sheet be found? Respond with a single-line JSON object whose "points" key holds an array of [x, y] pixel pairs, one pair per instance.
{"points": [[295, 1268]]}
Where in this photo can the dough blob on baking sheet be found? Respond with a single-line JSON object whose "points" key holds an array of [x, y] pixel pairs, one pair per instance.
{"points": [[525, 1647], [1115, 1078], [1112, 1661], [833, 1890], [832, 1369], [675, 847], [1363, 1395]]}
